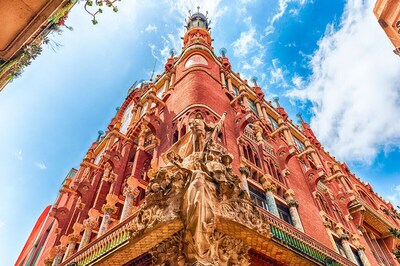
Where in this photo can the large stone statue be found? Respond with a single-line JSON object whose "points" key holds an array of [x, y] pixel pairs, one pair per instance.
{"points": [[197, 138], [199, 184]]}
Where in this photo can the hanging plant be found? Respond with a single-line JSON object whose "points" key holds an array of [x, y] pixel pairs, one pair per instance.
{"points": [[94, 8]]}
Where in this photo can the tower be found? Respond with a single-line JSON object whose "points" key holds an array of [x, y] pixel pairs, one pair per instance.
{"points": [[197, 168]]}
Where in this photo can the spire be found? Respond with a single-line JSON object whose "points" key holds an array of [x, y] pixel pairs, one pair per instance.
{"points": [[300, 118], [100, 133], [197, 29], [276, 100], [198, 20]]}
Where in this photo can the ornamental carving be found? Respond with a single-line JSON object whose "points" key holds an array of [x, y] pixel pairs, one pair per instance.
{"points": [[198, 185]]}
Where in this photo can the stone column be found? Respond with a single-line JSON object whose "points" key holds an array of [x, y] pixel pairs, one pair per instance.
{"points": [[109, 208], [221, 71], [245, 97], [166, 84], [294, 214], [313, 153], [60, 250], [230, 88], [89, 224], [259, 111], [345, 243], [73, 239], [270, 188], [131, 192], [286, 131], [138, 111], [360, 250], [134, 113], [264, 112], [245, 172], [172, 84]]}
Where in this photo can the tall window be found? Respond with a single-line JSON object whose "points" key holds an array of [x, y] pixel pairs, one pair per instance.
{"points": [[253, 107], [284, 213], [299, 144], [274, 123], [339, 246], [258, 197], [357, 257], [126, 119], [378, 249], [235, 90]]}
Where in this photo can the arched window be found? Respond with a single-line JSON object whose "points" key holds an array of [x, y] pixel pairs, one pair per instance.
{"points": [[146, 166], [183, 131], [175, 137], [323, 205]]}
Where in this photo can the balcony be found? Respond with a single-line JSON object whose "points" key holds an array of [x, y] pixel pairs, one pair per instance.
{"points": [[285, 234], [371, 216]]}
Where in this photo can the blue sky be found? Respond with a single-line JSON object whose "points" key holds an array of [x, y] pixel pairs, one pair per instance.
{"points": [[327, 59]]}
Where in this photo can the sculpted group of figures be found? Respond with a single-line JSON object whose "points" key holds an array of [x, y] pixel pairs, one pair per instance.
{"points": [[198, 185]]}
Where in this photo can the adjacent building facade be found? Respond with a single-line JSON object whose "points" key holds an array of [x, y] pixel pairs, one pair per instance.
{"points": [[197, 168], [24, 26], [388, 14]]}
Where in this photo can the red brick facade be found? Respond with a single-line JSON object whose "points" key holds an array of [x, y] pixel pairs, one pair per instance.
{"points": [[312, 193]]}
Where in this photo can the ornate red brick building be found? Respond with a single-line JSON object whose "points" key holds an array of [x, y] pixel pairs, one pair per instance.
{"points": [[197, 168], [388, 14]]}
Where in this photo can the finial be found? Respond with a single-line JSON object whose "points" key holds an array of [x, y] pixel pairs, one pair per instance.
{"points": [[117, 108], [254, 80], [223, 51], [276, 100], [152, 73], [172, 53], [206, 13], [101, 133], [300, 117], [198, 9]]}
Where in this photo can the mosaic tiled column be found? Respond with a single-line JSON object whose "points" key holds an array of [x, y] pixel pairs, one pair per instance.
{"points": [[60, 250], [270, 188], [360, 250], [345, 243], [131, 192], [89, 224], [109, 208], [73, 239], [293, 205]]}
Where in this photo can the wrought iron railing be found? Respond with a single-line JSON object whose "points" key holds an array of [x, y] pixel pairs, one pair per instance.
{"points": [[115, 238], [299, 241]]}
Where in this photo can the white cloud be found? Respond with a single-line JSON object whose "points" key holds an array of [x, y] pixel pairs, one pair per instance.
{"points": [[395, 196], [283, 5], [151, 28], [41, 165], [277, 74], [247, 40], [213, 7], [297, 81], [18, 154], [354, 87]]}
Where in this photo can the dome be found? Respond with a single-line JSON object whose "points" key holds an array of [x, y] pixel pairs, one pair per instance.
{"points": [[198, 20]]}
